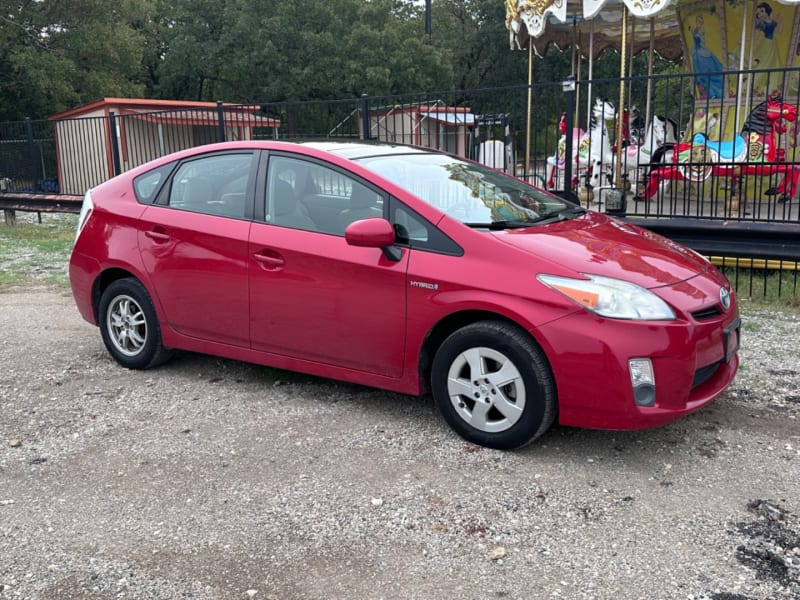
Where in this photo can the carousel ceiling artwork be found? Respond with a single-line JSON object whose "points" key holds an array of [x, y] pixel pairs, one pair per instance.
{"points": [[603, 21], [638, 8], [653, 24], [528, 18]]}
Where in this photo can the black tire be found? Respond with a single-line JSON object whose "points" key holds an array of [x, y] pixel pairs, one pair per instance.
{"points": [[498, 411], [129, 325]]}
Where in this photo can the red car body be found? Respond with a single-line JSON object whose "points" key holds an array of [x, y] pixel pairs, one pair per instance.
{"points": [[322, 303]]}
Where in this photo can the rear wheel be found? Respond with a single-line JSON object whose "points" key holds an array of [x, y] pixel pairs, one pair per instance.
{"points": [[129, 326], [493, 385]]}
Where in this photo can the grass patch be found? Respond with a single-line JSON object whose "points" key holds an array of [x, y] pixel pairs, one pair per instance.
{"points": [[768, 289], [33, 252], [752, 327]]}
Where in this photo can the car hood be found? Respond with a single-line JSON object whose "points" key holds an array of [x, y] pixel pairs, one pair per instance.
{"points": [[596, 244]]}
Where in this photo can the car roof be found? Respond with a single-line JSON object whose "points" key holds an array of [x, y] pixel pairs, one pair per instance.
{"points": [[357, 150]]}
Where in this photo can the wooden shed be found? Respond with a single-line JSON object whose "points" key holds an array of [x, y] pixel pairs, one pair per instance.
{"points": [[430, 125], [143, 130]]}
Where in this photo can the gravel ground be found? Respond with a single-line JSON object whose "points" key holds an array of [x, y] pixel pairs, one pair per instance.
{"points": [[212, 479]]}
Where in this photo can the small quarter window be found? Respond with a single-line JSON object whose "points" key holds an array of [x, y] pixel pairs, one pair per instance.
{"points": [[415, 231], [146, 185]]}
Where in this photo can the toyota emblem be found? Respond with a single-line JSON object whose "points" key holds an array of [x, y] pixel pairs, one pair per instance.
{"points": [[725, 298]]}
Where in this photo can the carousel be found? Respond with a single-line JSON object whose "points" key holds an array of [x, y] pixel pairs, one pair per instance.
{"points": [[741, 65]]}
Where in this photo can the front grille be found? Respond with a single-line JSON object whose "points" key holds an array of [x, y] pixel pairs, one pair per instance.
{"points": [[709, 312], [703, 374]]}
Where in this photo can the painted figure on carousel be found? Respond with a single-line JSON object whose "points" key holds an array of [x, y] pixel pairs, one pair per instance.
{"points": [[709, 84], [765, 50]]}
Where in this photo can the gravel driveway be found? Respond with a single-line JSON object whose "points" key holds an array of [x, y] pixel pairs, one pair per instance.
{"points": [[208, 478]]}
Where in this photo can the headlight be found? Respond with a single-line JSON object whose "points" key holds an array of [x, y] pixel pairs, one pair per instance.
{"points": [[86, 210], [611, 298]]}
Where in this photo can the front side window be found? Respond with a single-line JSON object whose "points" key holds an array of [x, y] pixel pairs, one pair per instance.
{"points": [[214, 184], [303, 194]]}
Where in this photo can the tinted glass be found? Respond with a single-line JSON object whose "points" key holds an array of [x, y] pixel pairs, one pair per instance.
{"points": [[214, 184], [307, 195], [467, 191], [146, 185]]}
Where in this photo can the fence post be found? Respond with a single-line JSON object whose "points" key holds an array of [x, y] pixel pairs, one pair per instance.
{"points": [[35, 171], [112, 123], [365, 120], [221, 121], [569, 96]]}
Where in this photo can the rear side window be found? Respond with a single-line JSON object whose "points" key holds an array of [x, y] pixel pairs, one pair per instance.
{"points": [[147, 185], [213, 184]]}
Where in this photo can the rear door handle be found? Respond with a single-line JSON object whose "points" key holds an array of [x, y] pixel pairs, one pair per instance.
{"points": [[157, 236]]}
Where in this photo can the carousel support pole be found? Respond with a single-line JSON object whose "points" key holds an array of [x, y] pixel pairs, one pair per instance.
{"points": [[578, 89], [633, 137], [748, 98], [528, 126], [650, 51], [623, 45], [591, 74], [630, 58], [575, 66], [738, 109]]}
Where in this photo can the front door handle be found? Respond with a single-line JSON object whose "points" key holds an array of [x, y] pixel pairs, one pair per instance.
{"points": [[268, 260]]}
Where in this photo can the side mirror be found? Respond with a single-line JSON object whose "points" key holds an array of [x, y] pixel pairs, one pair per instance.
{"points": [[373, 233]]}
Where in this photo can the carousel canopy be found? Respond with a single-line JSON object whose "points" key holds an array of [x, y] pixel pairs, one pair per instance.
{"points": [[573, 23], [605, 29]]}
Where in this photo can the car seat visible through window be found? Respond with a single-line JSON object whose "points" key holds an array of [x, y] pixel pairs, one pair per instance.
{"points": [[363, 205], [197, 194], [287, 211]]}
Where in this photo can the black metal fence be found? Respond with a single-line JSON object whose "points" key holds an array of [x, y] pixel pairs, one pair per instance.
{"points": [[647, 163], [27, 156]]}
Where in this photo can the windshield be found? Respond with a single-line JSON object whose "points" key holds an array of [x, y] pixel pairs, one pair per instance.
{"points": [[473, 194]]}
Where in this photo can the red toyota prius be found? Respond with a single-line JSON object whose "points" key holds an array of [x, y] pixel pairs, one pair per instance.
{"points": [[409, 270]]}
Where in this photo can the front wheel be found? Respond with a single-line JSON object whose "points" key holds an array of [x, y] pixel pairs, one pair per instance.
{"points": [[129, 325], [493, 385]]}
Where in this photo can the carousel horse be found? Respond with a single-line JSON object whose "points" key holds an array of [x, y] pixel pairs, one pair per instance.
{"points": [[632, 127], [754, 152], [555, 163], [636, 158], [592, 149]]}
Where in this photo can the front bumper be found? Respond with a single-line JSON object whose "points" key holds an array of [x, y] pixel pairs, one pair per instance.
{"points": [[693, 363]]}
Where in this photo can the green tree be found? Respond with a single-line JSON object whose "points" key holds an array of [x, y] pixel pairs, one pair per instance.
{"points": [[256, 51], [55, 55]]}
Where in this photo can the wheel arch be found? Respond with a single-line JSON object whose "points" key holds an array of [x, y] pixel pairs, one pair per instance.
{"points": [[452, 322], [103, 280]]}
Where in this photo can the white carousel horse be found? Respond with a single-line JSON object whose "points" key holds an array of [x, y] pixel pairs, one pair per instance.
{"points": [[638, 158], [594, 151], [591, 150]]}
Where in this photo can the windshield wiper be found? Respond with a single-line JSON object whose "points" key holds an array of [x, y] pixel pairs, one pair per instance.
{"points": [[561, 215], [551, 217], [499, 225]]}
